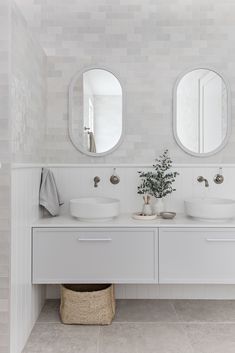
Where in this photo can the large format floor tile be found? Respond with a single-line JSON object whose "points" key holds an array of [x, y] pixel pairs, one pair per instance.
{"points": [[159, 311], [142, 326], [211, 338], [144, 338], [145, 311], [205, 310], [58, 338]]}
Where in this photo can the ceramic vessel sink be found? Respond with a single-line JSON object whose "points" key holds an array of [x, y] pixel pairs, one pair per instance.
{"points": [[94, 208], [210, 208]]}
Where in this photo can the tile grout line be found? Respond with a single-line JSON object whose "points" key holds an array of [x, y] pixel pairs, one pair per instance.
{"points": [[149, 322], [175, 311], [182, 325]]}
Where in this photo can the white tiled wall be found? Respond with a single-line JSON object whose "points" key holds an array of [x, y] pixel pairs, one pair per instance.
{"points": [[26, 299], [28, 92], [148, 44]]}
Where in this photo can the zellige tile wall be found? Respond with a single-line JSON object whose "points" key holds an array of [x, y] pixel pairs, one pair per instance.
{"points": [[147, 44], [29, 93]]}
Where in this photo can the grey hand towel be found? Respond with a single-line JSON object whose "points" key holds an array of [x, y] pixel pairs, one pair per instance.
{"points": [[49, 196]]}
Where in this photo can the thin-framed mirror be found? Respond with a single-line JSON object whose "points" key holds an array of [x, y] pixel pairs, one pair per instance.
{"points": [[96, 120], [201, 112]]}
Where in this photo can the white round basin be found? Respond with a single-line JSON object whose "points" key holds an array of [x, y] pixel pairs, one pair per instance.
{"points": [[210, 208], [94, 208]]}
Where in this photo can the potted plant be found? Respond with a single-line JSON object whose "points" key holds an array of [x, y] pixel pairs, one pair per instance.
{"points": [[158, 183]]}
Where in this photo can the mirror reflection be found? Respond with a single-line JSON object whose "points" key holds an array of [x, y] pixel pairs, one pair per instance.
{"points": [[201, 112], [95, 111]]}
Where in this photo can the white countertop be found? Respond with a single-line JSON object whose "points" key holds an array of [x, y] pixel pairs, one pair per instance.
{"points": [[126, 220]]}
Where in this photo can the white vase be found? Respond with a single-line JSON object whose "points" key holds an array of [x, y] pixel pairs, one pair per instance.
{"points": [[158, 206], [147, 210]]}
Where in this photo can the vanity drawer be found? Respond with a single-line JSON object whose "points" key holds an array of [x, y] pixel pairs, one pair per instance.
{"points": [[197, 255], [88, 255]]}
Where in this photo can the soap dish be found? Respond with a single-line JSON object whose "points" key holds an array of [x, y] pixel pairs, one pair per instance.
{"points": [[140, 216], [168, 215]]}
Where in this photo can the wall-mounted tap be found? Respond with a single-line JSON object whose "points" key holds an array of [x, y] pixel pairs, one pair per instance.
{"points": [[96, 181], [200, 179]]}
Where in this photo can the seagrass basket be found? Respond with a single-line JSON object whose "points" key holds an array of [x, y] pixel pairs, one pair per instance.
{"points": [[87, 304]]}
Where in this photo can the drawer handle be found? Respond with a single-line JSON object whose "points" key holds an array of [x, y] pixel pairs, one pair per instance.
{"points": [[218, 240], [94, 239]]}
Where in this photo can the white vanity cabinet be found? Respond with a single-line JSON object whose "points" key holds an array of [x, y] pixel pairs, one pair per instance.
{"points": [[197, 255], [116, 255], [120, 254]]}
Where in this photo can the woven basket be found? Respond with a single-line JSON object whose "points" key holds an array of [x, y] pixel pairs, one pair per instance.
{"points": [[87, 304]]}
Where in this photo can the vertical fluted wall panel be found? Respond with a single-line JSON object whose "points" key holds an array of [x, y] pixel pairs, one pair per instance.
{"points": [[26, 299]]}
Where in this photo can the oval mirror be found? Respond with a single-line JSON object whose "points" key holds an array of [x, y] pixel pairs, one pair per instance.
{"points": [[95, 112], [201, 112]]}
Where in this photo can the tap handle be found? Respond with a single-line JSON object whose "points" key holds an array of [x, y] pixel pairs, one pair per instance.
{"points": [[114, 179], [96, 181]]}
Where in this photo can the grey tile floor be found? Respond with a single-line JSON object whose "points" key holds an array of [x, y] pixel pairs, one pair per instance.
{"points": [[142, 326]]}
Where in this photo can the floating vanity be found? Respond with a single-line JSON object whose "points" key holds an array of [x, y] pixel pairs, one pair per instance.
{"points": [[124, 250]]}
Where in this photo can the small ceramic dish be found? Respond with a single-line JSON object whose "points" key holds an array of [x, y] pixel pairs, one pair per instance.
{"points": [[140, 216], [168, 215]]}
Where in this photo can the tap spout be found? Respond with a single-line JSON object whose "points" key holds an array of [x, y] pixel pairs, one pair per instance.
{"points": [[200, 179]]}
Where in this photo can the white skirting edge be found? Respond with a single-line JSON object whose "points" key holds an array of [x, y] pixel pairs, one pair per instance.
{"points": [[156, 291], [103, 165]]}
